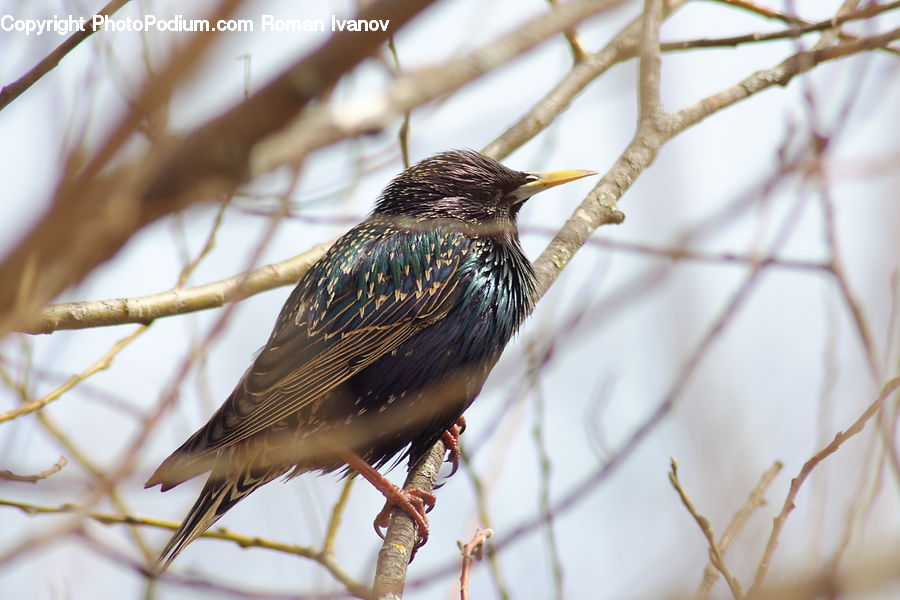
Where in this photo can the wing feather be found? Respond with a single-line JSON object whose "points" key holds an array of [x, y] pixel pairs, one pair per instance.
{"points": [[328, 332]]}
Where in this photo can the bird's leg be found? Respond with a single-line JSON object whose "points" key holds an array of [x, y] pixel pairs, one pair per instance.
{"points": [[413, 501], [451, 440]]}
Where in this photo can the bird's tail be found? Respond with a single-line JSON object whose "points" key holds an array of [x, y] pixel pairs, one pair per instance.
{"points": [[218, 496]]}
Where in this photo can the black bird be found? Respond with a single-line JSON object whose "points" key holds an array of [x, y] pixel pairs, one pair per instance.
{"points": [[383, 344]]}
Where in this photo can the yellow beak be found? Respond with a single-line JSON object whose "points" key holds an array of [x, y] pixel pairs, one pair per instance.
{"points": [[538, 182]]}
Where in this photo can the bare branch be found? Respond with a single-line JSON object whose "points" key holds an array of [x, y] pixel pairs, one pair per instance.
{"points": [[599, 208], [400, 539], [177, 301], [48, 63], [840, 437], [102, 363], [474, 550], [219, 533], [326, 125], [56, 468], [754, 501], [790, 33], [715, 553], [210, 161], [622, 47]]}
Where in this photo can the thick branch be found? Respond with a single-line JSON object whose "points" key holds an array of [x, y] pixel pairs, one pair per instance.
{"points": [[400, 540], [144, 309]]}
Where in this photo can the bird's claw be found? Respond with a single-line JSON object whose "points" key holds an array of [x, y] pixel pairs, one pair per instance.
{"points": [[451, 440], [414, 502]]}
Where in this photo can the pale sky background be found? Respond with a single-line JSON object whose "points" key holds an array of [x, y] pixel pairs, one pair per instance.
{"points": [[761, 394]]}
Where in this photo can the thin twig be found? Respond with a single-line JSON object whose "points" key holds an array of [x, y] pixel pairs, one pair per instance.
{"points": [[218, 533], [840, 437], [337, 513], [789, 33], [544, 468], [755, 500], [56, 468], [48, 63], [474, 550], [575, 45], [715, 553], [102, 363]]}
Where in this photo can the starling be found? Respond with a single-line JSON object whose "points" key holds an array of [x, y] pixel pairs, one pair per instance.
{"points": [[382, 345]]}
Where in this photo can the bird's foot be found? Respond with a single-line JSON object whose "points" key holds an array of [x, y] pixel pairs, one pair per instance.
{"points": [[416, 503], [451, 440], [412, 501]]}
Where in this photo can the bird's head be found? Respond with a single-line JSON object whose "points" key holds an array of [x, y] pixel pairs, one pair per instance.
{"points": [[465, 185]]}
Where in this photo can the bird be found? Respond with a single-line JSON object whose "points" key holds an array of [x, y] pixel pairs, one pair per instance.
{"points": [[381, 347]]}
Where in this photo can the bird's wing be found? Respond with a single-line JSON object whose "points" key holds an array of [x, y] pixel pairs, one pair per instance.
{"points": [[354, 307]]}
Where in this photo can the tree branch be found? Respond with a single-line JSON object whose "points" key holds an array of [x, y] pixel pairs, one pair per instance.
{"points": [[219, 533], [842, 436], [789, 33], [48, 63], [177, 301], [56, 468], [399, 545]]}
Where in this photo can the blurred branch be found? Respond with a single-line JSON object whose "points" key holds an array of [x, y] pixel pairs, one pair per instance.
{"points": [[91, 467], [56, 468], [765, 11], [128, 455], [219, 533], [48, 63], [327, 124], [481, 500], [575, 45], [337, 513], [840, 437], [102, 363], [535, 370], [877, 571], [22, 389], [211, 160], [715, 553]]}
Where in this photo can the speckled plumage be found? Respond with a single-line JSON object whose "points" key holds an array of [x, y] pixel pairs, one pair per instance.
{"points": [[382, 345]]}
